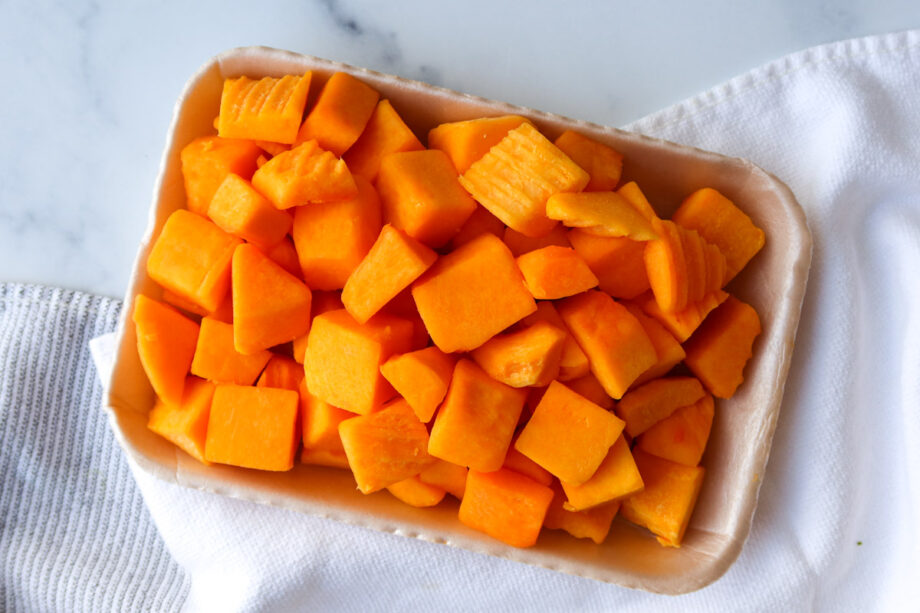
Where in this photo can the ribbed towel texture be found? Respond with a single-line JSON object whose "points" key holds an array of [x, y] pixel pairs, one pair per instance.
{"points": [[74, 532]]}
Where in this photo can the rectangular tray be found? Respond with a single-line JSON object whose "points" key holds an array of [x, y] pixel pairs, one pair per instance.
{"points": [[774, 283]]}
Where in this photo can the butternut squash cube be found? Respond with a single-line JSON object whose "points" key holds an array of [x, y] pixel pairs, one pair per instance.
{"points": [[217, 360], [618, 263], [238, 209], [593, 523], [447, 476], [555, 272], [467, 141], [616, 478], [573, 363], [303, 175], [269, 109], [185, 424], [166, 342], [682, 436], [527, 357], [520, 463], [648, 404], [385, 133], [340, 113], [421, 377], [666, 268], [603, 163], [416, 493], [505, 505], [207, 160]]}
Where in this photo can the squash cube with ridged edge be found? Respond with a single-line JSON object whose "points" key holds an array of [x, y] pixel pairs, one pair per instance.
{"points": [[303, 175], [269, 109]]}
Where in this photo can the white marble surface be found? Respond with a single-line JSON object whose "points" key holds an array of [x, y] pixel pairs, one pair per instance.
{"points": [[89, 86]]}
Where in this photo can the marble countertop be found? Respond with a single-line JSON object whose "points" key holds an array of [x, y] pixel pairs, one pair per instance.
{"points": [[90, 86]]}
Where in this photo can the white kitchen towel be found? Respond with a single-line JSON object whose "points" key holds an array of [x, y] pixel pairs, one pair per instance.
{"points": [[837, 524]]}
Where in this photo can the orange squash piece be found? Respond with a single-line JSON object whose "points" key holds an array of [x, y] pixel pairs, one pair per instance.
{"points": [[477, 419], [321, 303], [505, 505], [320, 422], [185, 424], [682, 436], [682, 323], [601, 214], [166, 342], [616, 477], [217, 360], [720, 222], [718, 352], [467, 141], [252, 427], [479, 223], [282, 372], [403, 306], [526, 357], [568, 434], [517, 176], [618, 263], [593, 523], [589, 387], [573, 363], [634, 196], [394, 261], [207, 160], [617, 346], [716, 268], [341, 112], [667, 502], [191, 258], [303, 175], [333, 237], [603, 163], [555, 272], [343, 358], [182, 304], [238, 209], [666, 268], [648, 404], [520, 463], [519, 244], [416, 493], [447, 476], [270, 305], [421, 377], [285, 255], [385, 447], [421, 195], [385, 133], [668, 350], [471, 294], [269, 109]]}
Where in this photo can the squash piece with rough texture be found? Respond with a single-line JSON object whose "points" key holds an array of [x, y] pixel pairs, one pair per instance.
{"points": [[216, 358], [269, 109], [467, 141], [385, 447], [616, 478], [555, 272], [505, 505], [568, 434], [527, 357], [472, 294], [682, 436], [238, 209], [682, 323], [207, 160], [421, 377], [416, 493], [475, 423], [191, 258], [618, 263], [166, 342], [601, 214], [446, 475], [385, 133], [303, 175], [592, 523], [718, 352], [517, 176], [666, 268], [603, 163], [340, 113], [573, 363], [667, 502], [185, 424], [648, 404]]}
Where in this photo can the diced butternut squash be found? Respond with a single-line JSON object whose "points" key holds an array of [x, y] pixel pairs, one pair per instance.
{"points": [[385, 447], [593, 523], [421, 195], [519, 244], [602, 163], [252, 427], [719, 221], [666, 268], [667, 502], [589, 387], [477, 419], [421, 377], [517, 176], [416, 493], [333, 237], [555, 272], [285, 255], [269, 109], [573, 363], [281, 372], [467, 141], [217, 360], [207, 160], [166, 342], [185, 424], [601, 214], [568, 434], [479, 223], [471, 294], [616, 478], [718, 352], [394, 261], [191, 258], [321, 302], [238, 209], [520, 463], [634, 196], [303, 175], [505, 505], [617, 346], [682, 436], [682, 323], [527, 357], [340, 114], [183, 304], [270, 305], [618, 263], [668, 350], [385, 133], [447, 476], [321, 423], [648, 404], [343, 358]]}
